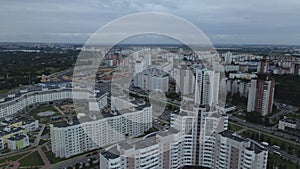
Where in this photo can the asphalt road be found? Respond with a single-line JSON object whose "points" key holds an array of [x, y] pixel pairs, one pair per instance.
{"points": [[270, 130]]}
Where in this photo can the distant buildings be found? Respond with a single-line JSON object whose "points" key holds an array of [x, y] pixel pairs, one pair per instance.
{"points": [[152, 79], [234, 86], [227, 57], [261, 95], [184, 78], [287, 68]]}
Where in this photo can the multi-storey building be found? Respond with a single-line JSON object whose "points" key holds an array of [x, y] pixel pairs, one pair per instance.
{"points": [[185, 79], [252, 95], [261, 95], [88, 132], [234, 86], [263, 67], [24, 99], [152, 79], [7, 132], [174, 149], [18, 142], [209, 124], [233, 151], [207, 87]]}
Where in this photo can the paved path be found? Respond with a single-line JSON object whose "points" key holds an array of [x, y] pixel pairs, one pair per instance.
{"points": [[38, 137], [58, 109], [44, 158]]}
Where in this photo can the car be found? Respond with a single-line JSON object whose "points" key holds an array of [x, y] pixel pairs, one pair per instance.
{"points": [[278, 153], [276, 147]]}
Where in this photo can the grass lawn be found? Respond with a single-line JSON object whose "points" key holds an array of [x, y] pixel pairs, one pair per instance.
{"points": [[12, 158], [42, 141], [2, 91], [280, 162], [37, 110], [233, 127], [294, 115], [32, 159], [51, 157]]}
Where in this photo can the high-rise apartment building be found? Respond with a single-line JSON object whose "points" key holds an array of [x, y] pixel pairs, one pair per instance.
{"points": [[263, 67], [233, 151], [90, 132], [192, 140], [152, 79], [185, 79], [261, 95], [206, 87]]}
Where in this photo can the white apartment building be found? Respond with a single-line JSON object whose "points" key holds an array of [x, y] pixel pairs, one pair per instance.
{"points": [[207, 87], [30, 125], [233, 151], [251, 95], [231, 68], [209, 124], [18, 142], [152, 79], [216, 147], [185, 79], [90, 132], [15, 103], [164, 150], [227, 57], [234, 86]]}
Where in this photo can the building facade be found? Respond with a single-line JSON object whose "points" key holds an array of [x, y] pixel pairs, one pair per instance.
{"points": [[15, 103], [173, 149], [261, 95], [76, 136], [206, 87], [152, 79]]}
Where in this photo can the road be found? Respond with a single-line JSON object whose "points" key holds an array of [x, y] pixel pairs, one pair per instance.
{"points": [[270, 148], [268, 130], [284, 154]]}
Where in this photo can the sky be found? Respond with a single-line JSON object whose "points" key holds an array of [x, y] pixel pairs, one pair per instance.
{"points": [[223, 21]]}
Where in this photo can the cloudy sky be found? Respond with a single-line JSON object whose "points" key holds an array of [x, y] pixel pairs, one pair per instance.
{"points": [[230, 21]]}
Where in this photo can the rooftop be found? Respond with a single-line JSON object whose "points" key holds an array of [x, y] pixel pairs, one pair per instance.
{"points": [[125, 145], [145, 143], [230, 134], [256, 148], [290, 120], [17, 137], [112, 153], [168, 132]]}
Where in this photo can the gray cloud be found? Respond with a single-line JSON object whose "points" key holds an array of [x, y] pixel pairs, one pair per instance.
{"points": [[233, 21]]}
